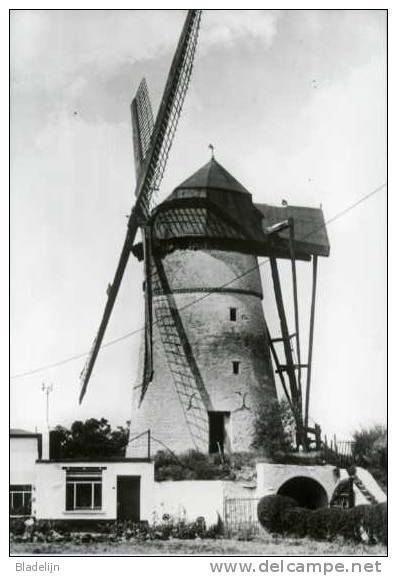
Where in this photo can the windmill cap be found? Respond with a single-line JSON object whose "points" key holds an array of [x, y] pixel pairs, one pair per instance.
{"points": [[213, 176]]}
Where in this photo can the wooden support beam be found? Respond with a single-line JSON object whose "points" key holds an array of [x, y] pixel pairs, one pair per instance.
{"points": [[286, 367], [278, 366], [295, 292], [275, 340], [284, 328], [295, 395], [311, 334]]}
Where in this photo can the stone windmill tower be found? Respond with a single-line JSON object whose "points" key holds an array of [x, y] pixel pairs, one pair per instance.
{"points": [[207, 367], [211, 359]]}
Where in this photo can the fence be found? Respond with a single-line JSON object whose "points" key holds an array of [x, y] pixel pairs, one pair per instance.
{"points": [[339, 453], [240, 515]]}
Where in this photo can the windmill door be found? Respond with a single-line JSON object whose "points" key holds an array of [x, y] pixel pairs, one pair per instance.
{"points": [[128, 498], [217, 431]]}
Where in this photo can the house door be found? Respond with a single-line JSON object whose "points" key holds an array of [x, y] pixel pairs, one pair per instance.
{"points": [[128, 498]]}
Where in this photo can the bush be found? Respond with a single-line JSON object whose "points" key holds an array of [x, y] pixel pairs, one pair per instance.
{"points": [[295, 521], [168, 527], [191, 465], [366, 523], [194, 465], [270, 510], [373, 522], [370, 451], [274, 431], [17, 526], [328, 523]]}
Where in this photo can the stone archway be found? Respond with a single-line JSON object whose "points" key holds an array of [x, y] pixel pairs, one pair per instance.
{"points": [[307, 492]]}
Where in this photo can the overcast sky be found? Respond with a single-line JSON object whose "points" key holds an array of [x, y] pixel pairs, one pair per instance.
{"points": [[295, 105]]}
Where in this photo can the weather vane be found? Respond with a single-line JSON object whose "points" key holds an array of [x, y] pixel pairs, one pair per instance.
{"points": [[212, 148]]}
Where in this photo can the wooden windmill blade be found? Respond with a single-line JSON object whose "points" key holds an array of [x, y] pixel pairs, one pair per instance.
{"points": [[148, 360], [142, 125], [169, 112], [153, 167], [142, 131]]}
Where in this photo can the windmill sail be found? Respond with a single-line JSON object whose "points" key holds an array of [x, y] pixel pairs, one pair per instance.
{"points": [[153, 167], [188, 382], [142, 130], [169, 112], [142, 125], [148, 359]]}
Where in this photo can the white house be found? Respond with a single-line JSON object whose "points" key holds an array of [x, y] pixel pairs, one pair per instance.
{"points": [[76, 489], [25, 450], [82, 490], [95, 490]]}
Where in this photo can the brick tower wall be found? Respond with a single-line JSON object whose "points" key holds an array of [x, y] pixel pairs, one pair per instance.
{"points": [[216, 343]]}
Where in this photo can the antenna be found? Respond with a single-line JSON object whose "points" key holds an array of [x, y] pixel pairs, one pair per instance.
{"points": [[47, 389]]}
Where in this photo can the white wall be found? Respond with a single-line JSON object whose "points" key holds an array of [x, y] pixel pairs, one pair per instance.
{"points": [[51, 489], [189, 499], [23, 455], [270, 477]]}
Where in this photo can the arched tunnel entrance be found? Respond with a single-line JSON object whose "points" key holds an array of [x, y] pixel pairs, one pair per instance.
{"points": [[307, 492]]}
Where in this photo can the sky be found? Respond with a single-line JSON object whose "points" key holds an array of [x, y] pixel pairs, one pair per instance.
{"points": [[294, 102]]}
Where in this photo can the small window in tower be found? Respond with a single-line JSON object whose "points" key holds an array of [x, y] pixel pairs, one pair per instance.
{"points": [[236, 367], [233, 314]]}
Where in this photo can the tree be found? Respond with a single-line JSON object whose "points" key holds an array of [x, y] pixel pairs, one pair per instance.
{"points": [[274, 432], [89, 439], [370, 451]]}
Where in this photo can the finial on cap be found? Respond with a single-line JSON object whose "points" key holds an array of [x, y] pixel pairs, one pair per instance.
{"points": [[211, 147]]}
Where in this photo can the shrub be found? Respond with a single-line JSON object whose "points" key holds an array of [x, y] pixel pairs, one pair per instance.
{"points": [[191, 465], [370, 451], [328, 523], [168, 527], [17, 526], [270, 510], [373, 522], [274, 431], [194, 465], [295, 521], [366, 523]]}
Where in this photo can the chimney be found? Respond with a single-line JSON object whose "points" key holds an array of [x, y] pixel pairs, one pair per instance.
{"points": [[45, 450]]}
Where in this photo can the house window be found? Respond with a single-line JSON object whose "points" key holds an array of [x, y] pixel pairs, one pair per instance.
{"points": [[84, 489], [233, 314], [20, 500], [236, 367]]}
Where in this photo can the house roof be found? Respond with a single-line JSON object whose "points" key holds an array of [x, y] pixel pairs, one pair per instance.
{"points": [[20, 432]]}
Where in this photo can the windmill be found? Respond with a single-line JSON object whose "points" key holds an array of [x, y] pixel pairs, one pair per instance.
{"points": [[207, 356]]}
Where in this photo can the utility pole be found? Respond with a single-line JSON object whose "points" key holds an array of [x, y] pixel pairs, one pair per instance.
{"points": [[47, 389]]}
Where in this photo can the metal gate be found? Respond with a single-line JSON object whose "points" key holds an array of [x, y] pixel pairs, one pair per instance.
{"points": [[240, 515]]}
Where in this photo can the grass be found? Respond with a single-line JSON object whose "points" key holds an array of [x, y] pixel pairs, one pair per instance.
{"points": [[263, 545]]}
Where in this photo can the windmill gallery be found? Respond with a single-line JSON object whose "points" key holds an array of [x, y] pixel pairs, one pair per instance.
{"points": [[209, 363]]}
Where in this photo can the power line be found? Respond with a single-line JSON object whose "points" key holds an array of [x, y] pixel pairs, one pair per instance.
{"points": [[189, 304]]}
